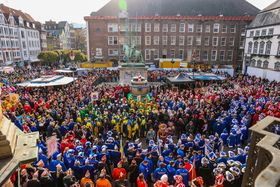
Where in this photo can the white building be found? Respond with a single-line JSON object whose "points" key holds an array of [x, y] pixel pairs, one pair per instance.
{"points": [[262, 47], [20, 40]]}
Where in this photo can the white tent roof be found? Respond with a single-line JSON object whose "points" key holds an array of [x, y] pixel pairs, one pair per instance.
{"points": [[55, 82]]}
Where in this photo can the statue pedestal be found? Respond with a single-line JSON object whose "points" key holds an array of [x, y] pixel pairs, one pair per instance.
{"points": [[130, 70]]}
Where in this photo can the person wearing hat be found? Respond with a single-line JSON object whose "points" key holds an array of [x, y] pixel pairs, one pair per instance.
{"points": [[119, 172], [222, 158], [184, 173], [163, 182], [56, 159], [205, 172], [224, 137], [232, 138], [229, 182]]}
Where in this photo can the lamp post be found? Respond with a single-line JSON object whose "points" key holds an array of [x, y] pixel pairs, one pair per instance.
{"points": [[72, 57], [172, 62]]}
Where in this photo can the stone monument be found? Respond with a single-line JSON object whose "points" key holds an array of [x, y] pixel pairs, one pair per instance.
{"points": [[133, 65]]}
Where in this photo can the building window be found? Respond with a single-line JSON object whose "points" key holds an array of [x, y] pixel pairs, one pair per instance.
{"points": [[250, 46], [165, 27], [213, 55], [216, 28], [181, 40], [173, 40], [164, 40], [189, 40], [112, 27], [229, 55], [136, 40], [263, 32], [261, 50], [255, 51], [251, 33], [206, 41], [198, 40], [156, 53], [113, 52], [112, 40], [181, 54], [182, 27], [232, 29], [270, 31], [215, 41], [253, 63], [147, 54], [173, 27], [22, 34], [277, 66], [259, 63], [172, 53], [278, 49], [205, 55], [190, 27], [135, 27], [222, 55], [199, 28], [257, 33], [223, 41], [231, 41], [207, 28], [268, 48], [156, 27], [148, 27], [164, 53], [224, 29], [265, 64], [147, 40], [156, 40], [197, 54]]}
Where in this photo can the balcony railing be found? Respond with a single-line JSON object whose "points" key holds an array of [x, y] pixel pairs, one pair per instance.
{"points": [[263, 164]]}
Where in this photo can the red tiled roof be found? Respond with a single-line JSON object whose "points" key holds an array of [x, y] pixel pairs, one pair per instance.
{"points": [[202, 18], [7, 11]]}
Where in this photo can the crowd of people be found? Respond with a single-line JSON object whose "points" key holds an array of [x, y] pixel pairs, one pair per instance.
{"points": [[195, 137]]}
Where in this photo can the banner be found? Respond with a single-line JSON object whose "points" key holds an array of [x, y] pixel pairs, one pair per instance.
{"points": [[14, 98], [51, 145], [94, 96]]}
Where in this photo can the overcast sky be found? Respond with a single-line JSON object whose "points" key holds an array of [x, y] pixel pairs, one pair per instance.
{"points": [[74, 10]]}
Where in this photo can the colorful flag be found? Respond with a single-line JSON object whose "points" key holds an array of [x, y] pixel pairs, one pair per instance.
{"points": [[121, 148], [122, 5], [14, 98], [51, 145]]}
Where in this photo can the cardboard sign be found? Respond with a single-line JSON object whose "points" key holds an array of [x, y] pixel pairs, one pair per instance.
{"points": [[51, 145]]}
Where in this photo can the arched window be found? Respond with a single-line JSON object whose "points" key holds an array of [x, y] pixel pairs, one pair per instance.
{"points": [[268, 48], [261, 50], [250, 45], [277, 66], [253, 63], [265, 64], [259, 63], [255, 51]]}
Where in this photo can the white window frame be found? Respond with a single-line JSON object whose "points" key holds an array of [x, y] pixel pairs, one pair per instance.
{"points": [[216, 28], [208, 41], [181, 40], [199, 28], [214, 55], [231, 41], [181, 55], [172, 55], [190, 27], [224, 29], [189, 40], [222, 55], [207, 28], [113, 50], [173, 40], [182, 27], [156, 40], [165, 27], [215, 41], [148, 40], [229, 54], [232, 29], [113, 27], [156, 27], [198, 41], [173, 27], [148, 27], [205, 59], [147, 54], [164, 40]]}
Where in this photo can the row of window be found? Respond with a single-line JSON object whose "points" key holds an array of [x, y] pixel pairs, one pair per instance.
{"points": [[263, 32], [5, 31], [262, 48], [174, 40], [9, 55], [9, 43], [165, 27], [33, 34], [264, 64], [34, 44]]}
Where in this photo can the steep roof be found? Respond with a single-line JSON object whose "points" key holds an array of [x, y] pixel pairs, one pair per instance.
{"points": [[182, 7], [268, 16], [16, 13]]}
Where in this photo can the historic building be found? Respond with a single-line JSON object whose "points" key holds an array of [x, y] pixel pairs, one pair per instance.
{"points": [[262, 49], [58, 35], [172, 29], [43, 36], [20, 40]]}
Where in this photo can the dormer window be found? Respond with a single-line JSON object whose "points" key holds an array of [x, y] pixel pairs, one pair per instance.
{"points": [[20, 21], [12, 20]]}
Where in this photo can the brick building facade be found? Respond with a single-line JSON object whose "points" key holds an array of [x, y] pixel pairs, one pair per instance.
{"points": [[216, 38]]}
